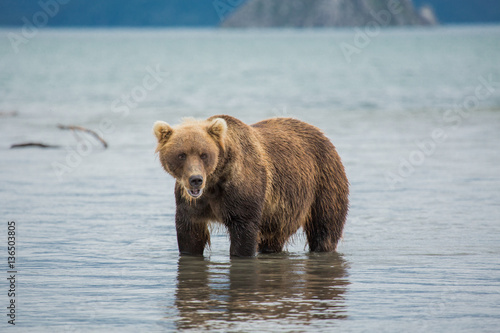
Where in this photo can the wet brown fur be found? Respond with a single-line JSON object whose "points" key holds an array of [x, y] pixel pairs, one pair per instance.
{"points": [[263, 182]]}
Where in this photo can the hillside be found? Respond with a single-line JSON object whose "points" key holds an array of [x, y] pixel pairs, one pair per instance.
{"points": [[325, 13], [210, 13]]}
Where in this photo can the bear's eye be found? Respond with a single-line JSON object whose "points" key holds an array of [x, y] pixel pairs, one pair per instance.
{"points": [[203, 156], [182, 156]]}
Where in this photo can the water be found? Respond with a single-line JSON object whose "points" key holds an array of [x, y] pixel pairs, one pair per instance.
{"points": [[96, 246]]}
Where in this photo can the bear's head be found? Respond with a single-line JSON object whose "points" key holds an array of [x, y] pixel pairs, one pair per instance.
{"points": [[190, 151]]}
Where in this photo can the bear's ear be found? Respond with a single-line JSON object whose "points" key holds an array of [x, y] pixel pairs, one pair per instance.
{"points": [[162, 130], [217, 129]]}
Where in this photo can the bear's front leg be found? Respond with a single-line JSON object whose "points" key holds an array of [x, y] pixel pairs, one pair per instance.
{"points": [[192, 237], [242, 209], [243, 227], [243, 236]]}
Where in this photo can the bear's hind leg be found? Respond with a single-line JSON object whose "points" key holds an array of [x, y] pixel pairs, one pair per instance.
{"points": [[324, 228], [270, 246], [272, 237]]}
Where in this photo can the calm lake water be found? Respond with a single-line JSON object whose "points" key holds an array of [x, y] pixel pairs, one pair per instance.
{"points": [[414, 114]]}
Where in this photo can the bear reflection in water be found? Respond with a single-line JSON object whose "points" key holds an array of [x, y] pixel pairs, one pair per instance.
{"points": [[273, 287]]}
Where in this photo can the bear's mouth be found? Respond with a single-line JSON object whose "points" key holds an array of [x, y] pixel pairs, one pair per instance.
{"points": [[195, 193]]}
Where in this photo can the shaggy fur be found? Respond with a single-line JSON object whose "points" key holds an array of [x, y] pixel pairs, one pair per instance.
{"points": [[263, 182]]}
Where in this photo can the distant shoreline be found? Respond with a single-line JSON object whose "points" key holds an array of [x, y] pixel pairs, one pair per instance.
{"points": [[217, 28]]}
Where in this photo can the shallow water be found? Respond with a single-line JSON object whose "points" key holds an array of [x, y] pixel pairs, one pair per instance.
{"points": [[96, 246]]}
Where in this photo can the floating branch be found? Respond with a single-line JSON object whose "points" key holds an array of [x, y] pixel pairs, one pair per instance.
{"points": [[32, 144], [83, 129]]}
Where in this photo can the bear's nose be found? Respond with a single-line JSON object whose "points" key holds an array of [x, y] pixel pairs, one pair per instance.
{"points": [[195, 181]]}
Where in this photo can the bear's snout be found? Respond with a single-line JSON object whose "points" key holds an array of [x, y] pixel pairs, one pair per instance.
{"points": [[195, 184], [196, 181]]}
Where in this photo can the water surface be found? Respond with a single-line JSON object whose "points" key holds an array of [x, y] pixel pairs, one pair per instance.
{"points": [[96, 239]]}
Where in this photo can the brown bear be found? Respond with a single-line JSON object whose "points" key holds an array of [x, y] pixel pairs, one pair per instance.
{"points": [[262, 181]]}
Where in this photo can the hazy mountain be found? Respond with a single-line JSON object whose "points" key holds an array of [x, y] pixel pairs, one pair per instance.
{"points": [[326, 13], [194, 12]]}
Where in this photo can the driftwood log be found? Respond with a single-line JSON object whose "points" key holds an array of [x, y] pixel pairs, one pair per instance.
{"points": [[83, 129], [63, 127]]}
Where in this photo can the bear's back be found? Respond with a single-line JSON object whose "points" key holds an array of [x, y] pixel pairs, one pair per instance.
{"points": [[288, 137]]}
